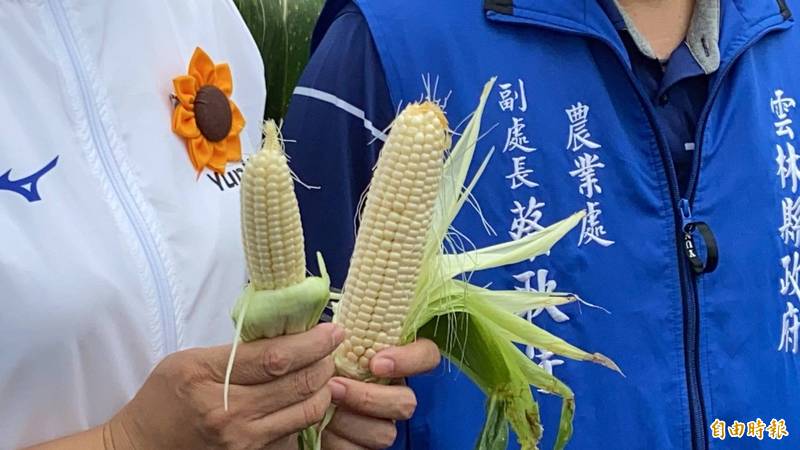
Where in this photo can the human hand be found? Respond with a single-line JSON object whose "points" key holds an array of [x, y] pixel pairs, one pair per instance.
{"points": [[366, 412], [278, 387]]}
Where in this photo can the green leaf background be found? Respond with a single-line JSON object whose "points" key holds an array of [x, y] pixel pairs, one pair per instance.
{"points": [[282, 30]]}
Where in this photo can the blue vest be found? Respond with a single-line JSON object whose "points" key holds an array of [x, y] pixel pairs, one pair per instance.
{"points": [[571, 130]]}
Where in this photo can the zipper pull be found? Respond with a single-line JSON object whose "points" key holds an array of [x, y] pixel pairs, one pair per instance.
{"points": [[689, 226], [686, 212]]}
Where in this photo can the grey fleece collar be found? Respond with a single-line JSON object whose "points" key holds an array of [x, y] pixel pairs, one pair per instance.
{"points": [[702, 38]]}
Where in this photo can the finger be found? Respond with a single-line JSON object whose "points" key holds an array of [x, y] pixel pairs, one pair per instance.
{"points": [[262, 399], [373, 400], [292, 419], [365, 431], [287, 443], [415, 358], [264, 360], [331, 441]]}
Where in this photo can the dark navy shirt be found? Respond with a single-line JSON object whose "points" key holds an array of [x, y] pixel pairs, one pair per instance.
{"points": [[678, 89]]}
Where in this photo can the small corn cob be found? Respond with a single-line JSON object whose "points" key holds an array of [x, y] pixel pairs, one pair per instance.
{"points": [[279, 299], [271, 229], [388, 252]]}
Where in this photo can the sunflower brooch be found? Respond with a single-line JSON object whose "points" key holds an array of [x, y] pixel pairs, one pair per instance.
{"points": [[205, 116]]}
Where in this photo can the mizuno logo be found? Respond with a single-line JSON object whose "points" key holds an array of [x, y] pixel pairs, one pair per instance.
{"points": [[26, 187]]}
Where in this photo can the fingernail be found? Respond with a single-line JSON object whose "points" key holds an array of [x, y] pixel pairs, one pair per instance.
{"points": [[338, 334], [382, 366], [338, 390]]}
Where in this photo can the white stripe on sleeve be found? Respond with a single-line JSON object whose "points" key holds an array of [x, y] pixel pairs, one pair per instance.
{"points": [[341, 104]]}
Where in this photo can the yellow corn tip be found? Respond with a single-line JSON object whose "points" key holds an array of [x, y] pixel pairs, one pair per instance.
{"points": [[388, 252], [271, 228]]}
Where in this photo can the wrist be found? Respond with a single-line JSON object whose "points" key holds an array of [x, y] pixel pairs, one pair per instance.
{"points": [[116, 435]]}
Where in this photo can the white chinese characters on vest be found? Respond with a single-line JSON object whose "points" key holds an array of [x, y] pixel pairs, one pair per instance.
{"points": [[586, 167], [788, 172]]}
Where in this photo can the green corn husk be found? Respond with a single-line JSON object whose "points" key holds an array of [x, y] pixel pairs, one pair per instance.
{"points": [[266, 314]]}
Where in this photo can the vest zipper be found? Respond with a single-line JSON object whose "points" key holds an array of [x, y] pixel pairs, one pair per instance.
{"points": [[697, 415], [118, 184], [691, 337], [692, 306], [684, 219]]}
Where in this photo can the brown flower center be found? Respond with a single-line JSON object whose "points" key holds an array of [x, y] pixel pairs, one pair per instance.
{"points": [[212, 112]]}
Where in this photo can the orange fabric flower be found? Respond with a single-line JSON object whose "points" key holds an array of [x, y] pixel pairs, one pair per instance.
{"points": [[205, 116]]}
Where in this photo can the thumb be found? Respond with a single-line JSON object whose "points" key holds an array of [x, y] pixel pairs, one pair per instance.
{"points": [[397, 362]]}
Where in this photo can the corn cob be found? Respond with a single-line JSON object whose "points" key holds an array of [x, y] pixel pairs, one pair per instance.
{"points": [[279, 299], [271, 229], [401, 285], [388, 252]]}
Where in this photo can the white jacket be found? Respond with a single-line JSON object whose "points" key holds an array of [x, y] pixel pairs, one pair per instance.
{"points": [[127, 256]]}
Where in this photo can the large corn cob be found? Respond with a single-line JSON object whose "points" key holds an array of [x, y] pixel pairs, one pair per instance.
{"points": [[388, 252], [401, 285], [271, 229]]}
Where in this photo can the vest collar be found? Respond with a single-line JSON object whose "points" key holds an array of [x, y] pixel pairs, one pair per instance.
{"points": [[740, 20]]}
